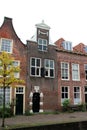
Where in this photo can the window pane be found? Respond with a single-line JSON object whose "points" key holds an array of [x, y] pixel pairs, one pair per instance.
{"points": [[74, 89], [66, 89], [38, 62], [33, 62], [51, 72], [49, 68], [44, 42], [85, 66], [19, 89], [51, 64], [40, 47], [46, 72], [64, 71], [85, 89], [40, 41], [46, 63], [6, 45], [62, 89], [85, 71], [15, 63], [75, 72], [44, 48], [76, 95], [37, 71], [62, 95], [32, 71], [7, 96], [35, 67], [65, 65], [66, 95]]}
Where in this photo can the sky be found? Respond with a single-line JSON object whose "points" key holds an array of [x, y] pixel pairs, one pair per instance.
{"points": [[67, 18]]}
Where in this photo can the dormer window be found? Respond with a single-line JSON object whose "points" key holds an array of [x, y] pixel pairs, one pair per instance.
{"points": [[67, 45], [85, 49], [42, 44], [6, 45]]}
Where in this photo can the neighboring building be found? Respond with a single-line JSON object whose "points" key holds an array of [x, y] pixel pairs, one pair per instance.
{"points": [[42, 71], [72, 73], [10, 43]]}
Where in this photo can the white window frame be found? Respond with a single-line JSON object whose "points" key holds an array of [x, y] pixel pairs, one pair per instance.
{"points": [[36, 67], [77, 100], [20, 92], [42, 44], [77, 71], [85, 69], [6, 95], [62, 99], [49, 68], [17, 74], [11, 45], [85, 89], [63, 68], [67, 45]]}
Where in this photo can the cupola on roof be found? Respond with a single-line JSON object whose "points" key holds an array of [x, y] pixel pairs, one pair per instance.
{"points": [[42, 25]]}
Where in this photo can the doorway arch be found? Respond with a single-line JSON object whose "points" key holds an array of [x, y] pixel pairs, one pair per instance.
{"points": [[36, 102]]}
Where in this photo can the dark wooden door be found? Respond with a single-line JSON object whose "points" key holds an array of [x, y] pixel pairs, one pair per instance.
{"points": [[19, 104], [36, 102]]}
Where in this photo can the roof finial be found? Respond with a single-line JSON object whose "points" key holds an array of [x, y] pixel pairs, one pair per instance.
{"points": [[42, 21]]}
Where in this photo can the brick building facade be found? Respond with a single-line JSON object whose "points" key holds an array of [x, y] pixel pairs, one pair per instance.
{"points": [[10, 43], [42, 71], [52, 73], [72, 73]]}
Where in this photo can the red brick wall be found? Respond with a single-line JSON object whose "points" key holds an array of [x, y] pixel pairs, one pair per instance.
{"points": [[19, 49], [63, 56]]}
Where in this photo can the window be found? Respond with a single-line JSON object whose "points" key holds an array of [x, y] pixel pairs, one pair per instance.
{"points": [[65, 71], [85, 89], [67, 45], [35, 67], [15, 64], [85, 66], [7, 96], [42, 44], [76, 95], [6, 45], [19, 90], [64, 93], [75, 72], [49, 68], [85, 48]]}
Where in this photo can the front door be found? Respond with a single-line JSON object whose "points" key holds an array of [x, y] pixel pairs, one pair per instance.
{"points": [[36, 102], [19, 104]]}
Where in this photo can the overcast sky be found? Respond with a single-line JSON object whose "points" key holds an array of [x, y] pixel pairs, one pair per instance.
{"points": [[67, 18]]}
